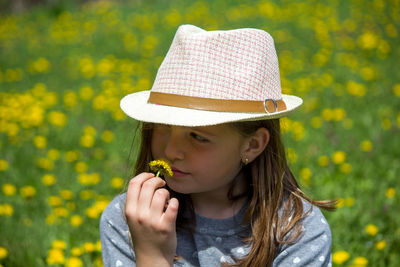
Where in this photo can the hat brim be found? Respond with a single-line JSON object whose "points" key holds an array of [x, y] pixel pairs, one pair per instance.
{"points": [[135, 106]]}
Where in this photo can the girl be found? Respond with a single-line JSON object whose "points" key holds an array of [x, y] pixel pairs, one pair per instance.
{"points": [[232, 200]]}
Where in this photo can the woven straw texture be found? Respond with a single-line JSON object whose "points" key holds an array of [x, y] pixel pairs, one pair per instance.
{"points": [[238, 64]]}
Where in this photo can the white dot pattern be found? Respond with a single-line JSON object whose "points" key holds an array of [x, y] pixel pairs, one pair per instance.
{"points": [[238, 64]]}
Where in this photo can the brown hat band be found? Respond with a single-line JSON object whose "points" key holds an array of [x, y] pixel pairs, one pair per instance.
{"points": [[222, 105]]}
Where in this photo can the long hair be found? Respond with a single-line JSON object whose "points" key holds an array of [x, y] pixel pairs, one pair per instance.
{"points": [[275, 210]]}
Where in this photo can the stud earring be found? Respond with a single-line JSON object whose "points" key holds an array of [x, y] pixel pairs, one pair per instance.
{"points": [[246, 161]]}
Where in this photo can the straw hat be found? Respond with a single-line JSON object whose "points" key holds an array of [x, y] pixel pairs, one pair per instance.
{"points": [[213, 77]]}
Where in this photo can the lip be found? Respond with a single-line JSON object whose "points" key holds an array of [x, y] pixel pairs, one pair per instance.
{"points": [[178, 173]]}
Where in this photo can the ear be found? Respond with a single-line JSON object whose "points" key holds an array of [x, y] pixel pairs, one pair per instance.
{"points": [[255, 144]]}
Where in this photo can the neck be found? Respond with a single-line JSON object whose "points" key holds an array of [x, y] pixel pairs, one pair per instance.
{"points": [[217, 205]]}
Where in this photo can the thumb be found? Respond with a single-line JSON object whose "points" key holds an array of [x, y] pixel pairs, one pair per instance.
{"points": [[171, 213]]}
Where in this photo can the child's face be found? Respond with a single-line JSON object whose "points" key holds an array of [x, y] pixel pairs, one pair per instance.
{"points": [[203, 159]]}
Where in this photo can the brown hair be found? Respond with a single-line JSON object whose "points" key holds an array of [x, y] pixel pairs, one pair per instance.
{"points": [[275, 209]]}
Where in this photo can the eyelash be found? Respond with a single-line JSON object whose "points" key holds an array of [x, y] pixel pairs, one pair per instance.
{"points": [[198, 138]]}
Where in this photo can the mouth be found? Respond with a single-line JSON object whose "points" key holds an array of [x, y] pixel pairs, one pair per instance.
{"points": [[178, 173]]}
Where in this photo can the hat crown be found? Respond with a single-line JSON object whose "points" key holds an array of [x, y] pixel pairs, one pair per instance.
{"points": [[234, 65]]}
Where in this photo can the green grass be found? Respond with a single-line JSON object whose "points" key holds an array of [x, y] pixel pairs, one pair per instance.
{"points": [[341, 57]]}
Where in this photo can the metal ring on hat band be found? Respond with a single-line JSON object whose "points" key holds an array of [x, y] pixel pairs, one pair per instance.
{"points": [[220, 105], [275, 105]]}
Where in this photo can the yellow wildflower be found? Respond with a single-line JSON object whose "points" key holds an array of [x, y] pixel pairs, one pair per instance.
{"points": [[305, 175], [45, 163], [48, 179], [339, 257], [40, 141], [86, 93], [71, 155], [70, 99], [380, 245], [339, 157], [323, 161], [88, 247], [160, 167], [66, 194], [53, 154], [3, 165], [366, 145], [87, 140], [371, 229], [76, 220], [9, 189], [349, 201], [75, 251], [339, 202], [6, 210], [59, 244], [81, 167], [390, 192], [27, 191], [345, 167], [360, 262], [54, 201], [396, 89], [55, 256], [107, 136], [57, 118], [73, 262], [117, 182], [3, 253]]}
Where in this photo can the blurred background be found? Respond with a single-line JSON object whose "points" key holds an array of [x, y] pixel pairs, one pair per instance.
{"points": [[66, 149]]}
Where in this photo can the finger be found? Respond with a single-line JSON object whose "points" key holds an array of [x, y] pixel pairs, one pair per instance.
{"points": [[159, 201], [171, 212], [134, 187], [147, 192]]}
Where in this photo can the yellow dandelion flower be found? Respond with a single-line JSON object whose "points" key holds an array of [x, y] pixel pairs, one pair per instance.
{"points": [[54, 201], [3, 165], [86, 93], [117, 182], [396, 89], [61, 212], [390, 192], [316, 122], [339, 157], [360, 262], [87, 140], [339, 202], [323, 161], [291, 154], [107, 136], [3, 253], [88, 247], [74, 262], [349, 202], [76, 220], [59, 244], [75, 251], [339, 257], [71, 155], [6, 210], [366, 145], [70, 99], [380, 245], [45, 163], [57, 118], [40, 141], [9, 189], [160, 167], [48, 179], [371, 229], [27, 191], [53, 154], [55, 256], [66, 194], [305, 175], [345, 168], [81, 167]]}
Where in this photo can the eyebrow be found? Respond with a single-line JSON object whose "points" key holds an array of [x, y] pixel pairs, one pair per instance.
{"points": [[200, 129]]}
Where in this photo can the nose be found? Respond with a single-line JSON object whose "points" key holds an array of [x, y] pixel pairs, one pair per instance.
{"points": [[174, 149]]}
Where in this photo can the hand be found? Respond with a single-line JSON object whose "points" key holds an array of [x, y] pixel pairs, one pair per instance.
{"points": [[151, 217]]}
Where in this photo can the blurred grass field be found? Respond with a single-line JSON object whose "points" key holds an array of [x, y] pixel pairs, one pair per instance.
{"points": [[66, 148]]}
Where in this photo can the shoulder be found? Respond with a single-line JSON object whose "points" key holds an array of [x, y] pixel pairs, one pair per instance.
{"points": [[114, 212], [313, 248]]}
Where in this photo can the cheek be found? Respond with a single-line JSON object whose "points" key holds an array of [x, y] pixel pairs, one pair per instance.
{"points": [[157, 144]]}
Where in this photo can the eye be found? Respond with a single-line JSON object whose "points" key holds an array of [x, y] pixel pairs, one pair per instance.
{"points": [[198, 137]]}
